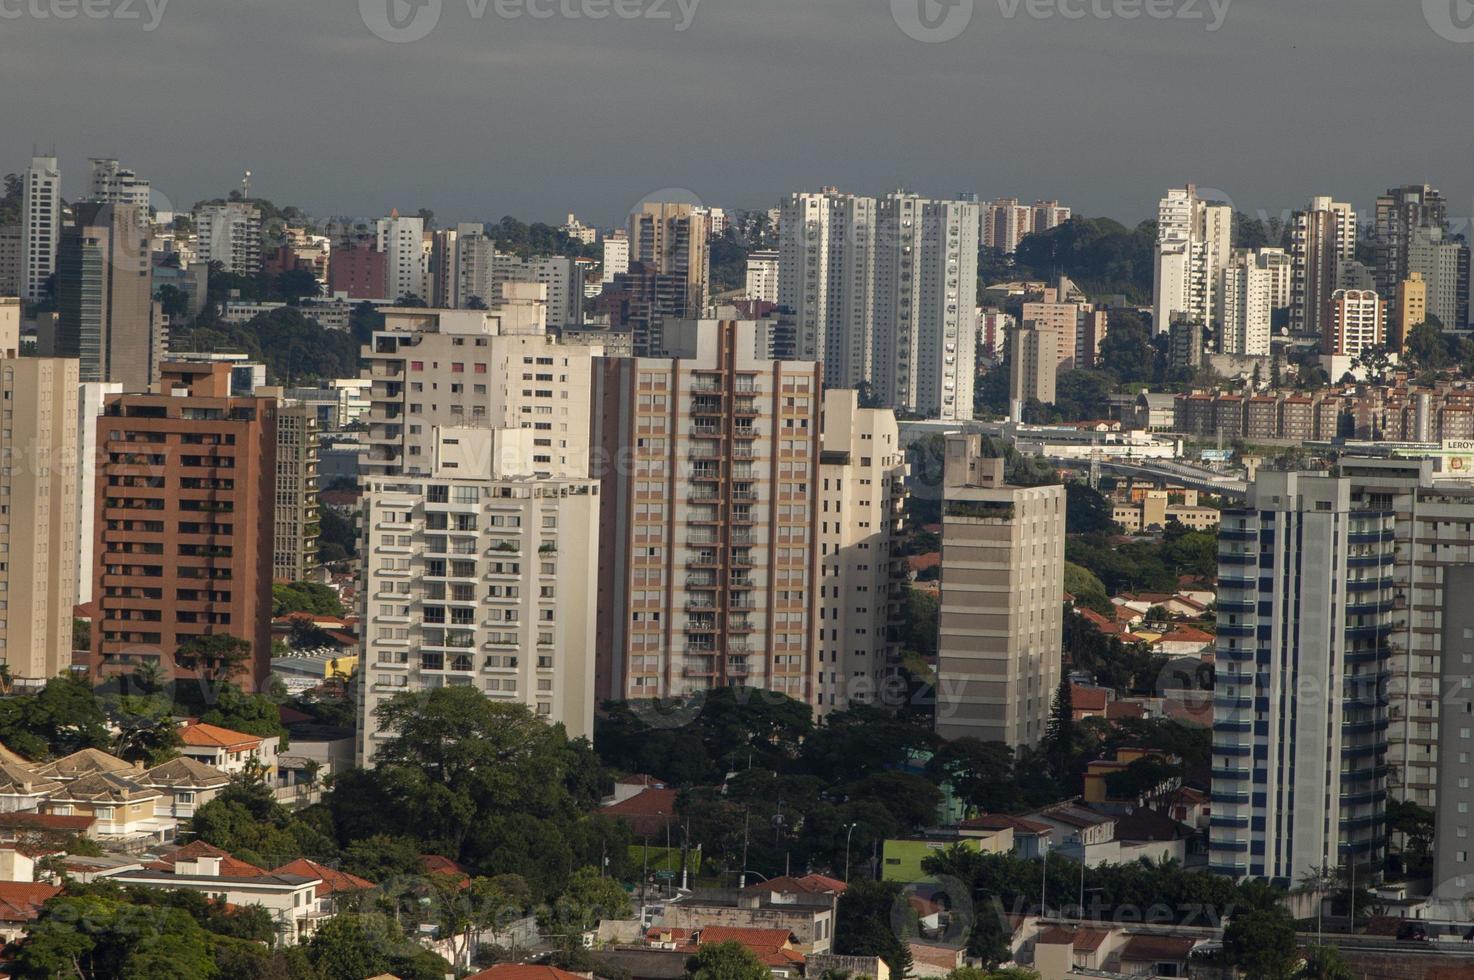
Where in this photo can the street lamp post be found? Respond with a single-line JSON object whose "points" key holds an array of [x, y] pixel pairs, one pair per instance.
{"points": [[847, 836]]}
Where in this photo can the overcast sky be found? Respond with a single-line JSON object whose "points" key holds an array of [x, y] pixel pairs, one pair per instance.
{"points": [[535, 117]]}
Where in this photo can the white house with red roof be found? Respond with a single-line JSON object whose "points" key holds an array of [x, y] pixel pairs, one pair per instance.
{"points": [[229, 751]]}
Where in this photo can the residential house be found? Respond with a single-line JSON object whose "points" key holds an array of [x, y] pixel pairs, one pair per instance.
{"points": [[1030, 837], [1059, 951], [230, 752], [22, 788], [125, 811], [1147, 834], [807, 916], [1157, 956], [648, 812], [87, 762], [20, 906], [291, 899], [524, 971], [776, 948], [1183, 641], [1089, 702], [334, 889], [1079, 832], [185, 784]]}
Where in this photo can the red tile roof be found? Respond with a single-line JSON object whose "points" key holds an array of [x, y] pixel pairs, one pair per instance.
{"points": [[334, 882], [745, 936], [21, 901], [808, 884], [647, 812], [1088, 698], [920, 563], [524, 971], [1001, 821], [1186, 634], [230, 865], [1157, 949], [203, 735], [1124, 709], [73, 824]]}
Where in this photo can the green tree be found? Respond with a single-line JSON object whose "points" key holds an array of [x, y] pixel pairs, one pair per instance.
{"points": [[1086, 510], [1324, 963], [1261, 942], [1060, 739], [308, 597], [1127, 353], [726, 961], [217, 656], [589, 899], [876, 919]]}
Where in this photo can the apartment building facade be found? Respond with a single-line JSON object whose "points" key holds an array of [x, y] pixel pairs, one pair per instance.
{"points": [[707, 567], [1305, 612], [229, 232], [1194, 241], [826, 277], [185, 497], [1323, 239], [104, 291], [40, 217], [860, 494], [1001, 622], [295, 519], [480, 575], [38, 516]]}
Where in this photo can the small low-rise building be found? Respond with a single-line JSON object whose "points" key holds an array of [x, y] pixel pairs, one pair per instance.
{"points": [[808, 916], [124, 810], [185, 785], [290, 899], [229, 751]]}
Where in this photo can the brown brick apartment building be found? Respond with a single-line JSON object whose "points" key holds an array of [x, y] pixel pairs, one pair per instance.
{"points": [[185, 483]]}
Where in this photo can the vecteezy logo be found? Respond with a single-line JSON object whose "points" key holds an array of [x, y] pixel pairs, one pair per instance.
{"points": [[1452, 20], [932, 21], [400, 21]]}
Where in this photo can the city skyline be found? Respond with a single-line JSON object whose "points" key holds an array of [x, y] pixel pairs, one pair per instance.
{"points": [[1019, 76]]}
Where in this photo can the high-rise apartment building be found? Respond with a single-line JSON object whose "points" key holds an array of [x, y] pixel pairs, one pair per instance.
{"points": [[473, 368], [1434, 525], [40, 218], [10, 260], [707, 565], [1079, 327], [1033, 365], [1453, 871], [1412, 310], [1357, 321], [38, 499], [1443, 264], [295, 518], [1401, 214], [616, 255], [481, 573], [113, 183], [1323, 238], [104, 293], [1305, 611], [1006, 221], [671, 239], [860, 495], [1194, 242], [1246, 301], [357, 269], [402, 240], [926, 305], [229, 232], [1001, 622], [826, 278], [762, 275], [91, 396], [185, 488]]}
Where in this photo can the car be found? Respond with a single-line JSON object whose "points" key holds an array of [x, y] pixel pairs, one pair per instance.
{"points": [[1412, 932]]}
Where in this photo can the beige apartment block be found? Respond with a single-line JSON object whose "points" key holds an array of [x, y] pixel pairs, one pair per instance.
{"points": [[480, 580], [470, 368], [706, 570], [861, 491], [38, 510], [1001, 621], [1033, 364]]}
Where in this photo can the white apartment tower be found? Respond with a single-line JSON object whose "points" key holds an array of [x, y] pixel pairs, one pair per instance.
{"points": [[1305, 612], [861, 490], [402, 240], [826, 277], [762, 276], [480, 573], [229, 232], [498, 369], [616, 255], [926, 305], [112, 183], [1246, 301], [1357, 321], [40, 215], [1194, 242]]}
